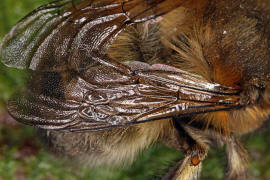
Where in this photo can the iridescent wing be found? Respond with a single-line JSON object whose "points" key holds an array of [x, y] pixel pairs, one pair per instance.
{"points": [[95, 101], [103, 98], [74, 86], [65, 34]]}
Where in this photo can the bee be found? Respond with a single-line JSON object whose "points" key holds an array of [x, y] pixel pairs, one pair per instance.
{"points": [[108, 78]]}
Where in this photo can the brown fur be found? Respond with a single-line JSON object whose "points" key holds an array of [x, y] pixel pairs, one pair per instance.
{"points": [[111, 147], [226, 42], [214, 42]]}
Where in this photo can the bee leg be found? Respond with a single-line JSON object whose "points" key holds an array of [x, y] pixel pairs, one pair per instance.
{"points": [[190, 166], [237, 160]]}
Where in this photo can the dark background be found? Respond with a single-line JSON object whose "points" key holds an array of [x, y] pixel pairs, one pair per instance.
{"points": [[22, 156]]}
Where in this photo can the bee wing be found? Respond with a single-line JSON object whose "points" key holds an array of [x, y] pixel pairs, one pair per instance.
{"points": [[65, 34], [72, 87], [63, 101]]}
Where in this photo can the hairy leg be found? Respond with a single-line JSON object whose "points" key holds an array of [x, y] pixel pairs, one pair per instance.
{"points": [[190, 166], [237, 160]]}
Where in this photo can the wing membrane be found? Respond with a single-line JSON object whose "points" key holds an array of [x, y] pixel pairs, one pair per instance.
{"points": [[68, 102], [73, 84], [64, 34]]}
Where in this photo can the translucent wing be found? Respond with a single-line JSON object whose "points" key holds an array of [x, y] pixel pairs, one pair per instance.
{"points": [[65, 34], [96, 100], [74, 86]]}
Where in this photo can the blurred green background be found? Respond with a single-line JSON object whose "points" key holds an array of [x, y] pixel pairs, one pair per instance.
{"points": [[22, 156]]}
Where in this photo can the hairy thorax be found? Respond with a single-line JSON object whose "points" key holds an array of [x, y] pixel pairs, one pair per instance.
{"points": [[226, 42]]}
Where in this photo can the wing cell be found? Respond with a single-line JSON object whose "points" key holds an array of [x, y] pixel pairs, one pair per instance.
{"points": [[75, 86]]}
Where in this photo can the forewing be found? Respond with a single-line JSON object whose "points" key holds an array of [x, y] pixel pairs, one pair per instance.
{"points": [[61, 101], [64, 101], [74, 86], [65, 34]]}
